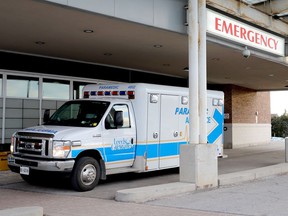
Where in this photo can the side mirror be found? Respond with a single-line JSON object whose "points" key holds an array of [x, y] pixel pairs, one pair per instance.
{"points": [[46, 115], [118, 118]]}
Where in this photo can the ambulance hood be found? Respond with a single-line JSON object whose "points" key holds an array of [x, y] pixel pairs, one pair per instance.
{"points": [[63, 132]]}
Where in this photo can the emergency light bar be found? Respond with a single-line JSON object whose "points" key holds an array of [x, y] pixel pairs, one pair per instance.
{"points": [[130, 94]]}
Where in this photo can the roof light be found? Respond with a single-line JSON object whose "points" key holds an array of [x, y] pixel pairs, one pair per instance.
{"points": [[115, 93], [93, 93], [215, 101], [154, 98], [100, 93], [130, 93], [122, 93], [86, 94], [107, 93], [184, 100]]}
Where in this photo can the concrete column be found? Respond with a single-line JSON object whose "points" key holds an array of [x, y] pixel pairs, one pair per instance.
{"points": [[198, 160], [202, 72], [198, 165], [193, 71]]}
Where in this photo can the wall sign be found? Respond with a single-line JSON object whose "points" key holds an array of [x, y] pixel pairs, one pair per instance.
{"points": [[234, 30]]}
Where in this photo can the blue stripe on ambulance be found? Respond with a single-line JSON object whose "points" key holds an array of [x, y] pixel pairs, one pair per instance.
{"points": [[171, 149]]}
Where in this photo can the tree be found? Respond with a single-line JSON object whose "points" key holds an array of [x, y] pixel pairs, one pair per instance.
{"points": [[279, 125]]}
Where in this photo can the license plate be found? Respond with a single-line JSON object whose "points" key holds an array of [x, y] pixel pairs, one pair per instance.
{"points": [[24, 170]]}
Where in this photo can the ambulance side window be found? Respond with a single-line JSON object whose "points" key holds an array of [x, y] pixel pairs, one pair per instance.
{"points": [[110, 118]]}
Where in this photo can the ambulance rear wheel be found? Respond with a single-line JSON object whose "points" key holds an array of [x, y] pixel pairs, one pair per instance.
{"points": [[86, 174]]}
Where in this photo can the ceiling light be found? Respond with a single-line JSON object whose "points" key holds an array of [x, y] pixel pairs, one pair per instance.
{"points": [[279, 15], [157, 46], [40, 42], [88, 31], [252, 2]]}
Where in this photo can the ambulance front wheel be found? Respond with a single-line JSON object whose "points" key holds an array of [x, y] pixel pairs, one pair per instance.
{"points": [[86, 174]]}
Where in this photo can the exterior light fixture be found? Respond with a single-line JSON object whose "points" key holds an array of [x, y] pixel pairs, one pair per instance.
{"points": [[186, 69], [246, 52], [88, 31], [40, 42], [157, 46]]}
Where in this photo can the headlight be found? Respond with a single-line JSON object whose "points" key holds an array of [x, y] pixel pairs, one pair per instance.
{"points": [[61, 149], [12, 144]]}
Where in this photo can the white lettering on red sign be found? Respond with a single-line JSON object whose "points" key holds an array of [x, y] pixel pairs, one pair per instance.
{"points": [[234, 30]]}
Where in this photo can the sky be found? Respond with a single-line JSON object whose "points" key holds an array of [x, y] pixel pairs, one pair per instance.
{"points": [[279, 102]]}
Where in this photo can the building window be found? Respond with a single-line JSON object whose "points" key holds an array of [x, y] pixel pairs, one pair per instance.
{"points": [[22, 87], [55, 89], [1, 81], [77, 89]]}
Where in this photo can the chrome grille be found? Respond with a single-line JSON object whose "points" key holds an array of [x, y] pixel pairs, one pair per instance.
{"points": [[33, 146]]}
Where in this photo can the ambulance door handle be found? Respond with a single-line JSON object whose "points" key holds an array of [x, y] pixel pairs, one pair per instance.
{"points": [[155, 135], [175, 133]]}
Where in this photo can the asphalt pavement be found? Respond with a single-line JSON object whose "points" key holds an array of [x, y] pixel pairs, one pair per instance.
{"points": [[258, 186]]}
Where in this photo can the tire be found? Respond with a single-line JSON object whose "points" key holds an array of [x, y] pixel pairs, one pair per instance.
{"points": [[86, 174]]}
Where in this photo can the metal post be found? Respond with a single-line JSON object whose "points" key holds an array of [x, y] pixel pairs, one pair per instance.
{"points": [[193, 71], [286, 149], [202, 72]]}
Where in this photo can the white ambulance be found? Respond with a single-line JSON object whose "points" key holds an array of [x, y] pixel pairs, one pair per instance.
{"points": [[113, 129]]}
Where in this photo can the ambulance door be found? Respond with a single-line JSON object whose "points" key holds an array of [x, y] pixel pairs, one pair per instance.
{"points": [[119, 136], [153, 130], [169, 132], [215, 122]]}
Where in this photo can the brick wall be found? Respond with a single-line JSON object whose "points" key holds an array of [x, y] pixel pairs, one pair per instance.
{"points": [[241, 104], [250, 106]]}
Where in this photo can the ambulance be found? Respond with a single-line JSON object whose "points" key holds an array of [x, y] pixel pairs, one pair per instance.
{"points": [[115, 128]]}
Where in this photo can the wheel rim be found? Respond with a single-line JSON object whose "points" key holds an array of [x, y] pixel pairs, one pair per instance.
{"points": [[88, 174]]}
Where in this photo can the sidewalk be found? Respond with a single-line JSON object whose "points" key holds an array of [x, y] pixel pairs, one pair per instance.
{"points": [[241, 165]]}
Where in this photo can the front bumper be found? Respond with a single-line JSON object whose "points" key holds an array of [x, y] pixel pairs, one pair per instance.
{"points": [[15, 163]]}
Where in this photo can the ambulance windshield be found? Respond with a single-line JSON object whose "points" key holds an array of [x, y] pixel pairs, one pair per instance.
{"points": [[79, 114]]}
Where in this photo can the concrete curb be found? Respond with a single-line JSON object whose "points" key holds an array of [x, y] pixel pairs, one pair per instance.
{"points": [[144, 194], [149, 193], [253, 174], [23, 211]]}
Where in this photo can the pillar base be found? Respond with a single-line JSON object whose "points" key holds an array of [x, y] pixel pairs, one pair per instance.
{"points": [[199, 165]]}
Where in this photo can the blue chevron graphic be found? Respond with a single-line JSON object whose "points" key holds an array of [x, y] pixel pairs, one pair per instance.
{"points": [[213, 136]]}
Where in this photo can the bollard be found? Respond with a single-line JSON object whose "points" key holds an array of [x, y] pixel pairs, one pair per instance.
{"points": [[286, 149]]}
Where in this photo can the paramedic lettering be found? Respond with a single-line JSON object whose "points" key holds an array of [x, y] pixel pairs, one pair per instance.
{"points": [[247, 35], [185, 111]]}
